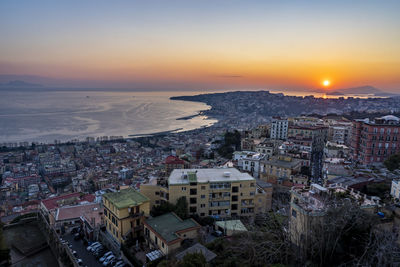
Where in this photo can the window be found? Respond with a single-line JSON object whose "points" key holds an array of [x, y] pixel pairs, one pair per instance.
{"points": [[234, 206], [234, 198], [203, 187], [157, 193], [202, 205], [203, 196], [235, 189], [183, 188], [193, 191], [294, 213], [193, 209], [193, 200], [162, 244]]}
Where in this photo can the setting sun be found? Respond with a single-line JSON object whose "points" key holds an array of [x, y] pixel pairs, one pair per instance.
{"points": [[326, 83]]}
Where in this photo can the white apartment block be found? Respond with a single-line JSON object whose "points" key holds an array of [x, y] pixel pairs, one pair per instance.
{"points": [[395, 190], [279, 128]]}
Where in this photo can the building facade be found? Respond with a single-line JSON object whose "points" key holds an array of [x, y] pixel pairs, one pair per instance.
{"points": [[374, 141], [168, 231], [279, 128], [124, 213], [309, 204], [221, 192]]}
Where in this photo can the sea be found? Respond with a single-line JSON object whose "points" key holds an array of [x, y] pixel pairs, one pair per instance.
{"points": [[44, 116], [47, 115]]}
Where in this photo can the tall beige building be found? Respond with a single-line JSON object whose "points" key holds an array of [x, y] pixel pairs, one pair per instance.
{"points": [[221, 191]]}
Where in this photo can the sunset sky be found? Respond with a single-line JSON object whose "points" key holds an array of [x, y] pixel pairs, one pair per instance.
{"points": [[203, 44]]}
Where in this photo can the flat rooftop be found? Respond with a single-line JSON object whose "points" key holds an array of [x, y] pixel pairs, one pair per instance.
{"points": [[283, 163], [169, 225], [185, 176], [126, 198]]}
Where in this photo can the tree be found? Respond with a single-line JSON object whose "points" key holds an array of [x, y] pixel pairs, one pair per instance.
{"points": [[232, 141], [393, 162], [4, 250], [305, 170], [193, 260], [181, 208], [161, 209]]}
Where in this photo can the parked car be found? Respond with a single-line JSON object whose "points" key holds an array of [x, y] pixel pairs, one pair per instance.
{"points": [[99, 249], [105, 256], [217, 233], [108, 260], [80, 262], [99, 252], [75, 230], [93, 247], [112, 262], [89, 248], [119, 263]]}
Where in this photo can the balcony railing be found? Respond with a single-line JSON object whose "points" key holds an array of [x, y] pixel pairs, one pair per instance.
{"points": [[138, 228], [136, 214]]}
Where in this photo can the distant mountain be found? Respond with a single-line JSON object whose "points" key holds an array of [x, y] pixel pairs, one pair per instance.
{"points": [[20, 84], [361, 90]]}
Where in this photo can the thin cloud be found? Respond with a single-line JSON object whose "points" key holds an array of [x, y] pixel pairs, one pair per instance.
{"points": [[230, 76]]}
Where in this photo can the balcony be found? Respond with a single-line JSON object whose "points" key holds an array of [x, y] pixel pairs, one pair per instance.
{"points": [[138, 228], [136, 214]]}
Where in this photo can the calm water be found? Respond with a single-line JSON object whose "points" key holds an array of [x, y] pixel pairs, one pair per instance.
{"points": [[44, 116]]}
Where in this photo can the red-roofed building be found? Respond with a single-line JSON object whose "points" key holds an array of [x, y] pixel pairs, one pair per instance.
{"points": [[70, 215], [173, 162], [49, 206]]}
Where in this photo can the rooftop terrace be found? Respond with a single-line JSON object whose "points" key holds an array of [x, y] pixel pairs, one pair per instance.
{"points": [[186, 176], [126, 198], [315, 197]]}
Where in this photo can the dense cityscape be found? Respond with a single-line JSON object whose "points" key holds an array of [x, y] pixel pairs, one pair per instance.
{"points": [[270, 181], [200, 133]]}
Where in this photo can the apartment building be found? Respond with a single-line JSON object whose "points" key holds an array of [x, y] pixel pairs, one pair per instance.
{"points": [[279, 169], [279, 128], [374, 141], [124, 213], [173, 162], [395, 189], [314, 136], [309, 204], [249, 161], [222, 192]]}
